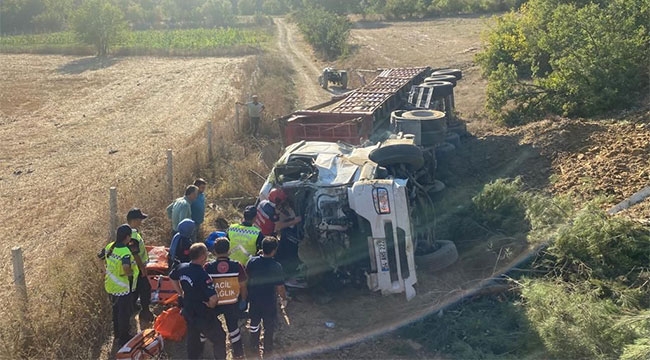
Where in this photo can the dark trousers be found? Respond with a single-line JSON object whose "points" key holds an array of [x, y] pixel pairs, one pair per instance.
{"points": [[255, 125], [143, 292], [122, 311], [267, 314], [211, 328], [287, 256], [231, 313]]}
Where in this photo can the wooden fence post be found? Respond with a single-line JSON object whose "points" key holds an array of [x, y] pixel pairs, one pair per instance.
{"points": [[170, 174], [112, 227], [19, 279], [238, 129], [210, 142]]}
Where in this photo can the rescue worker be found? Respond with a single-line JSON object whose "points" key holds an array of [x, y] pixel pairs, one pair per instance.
{"points": [[198, 298], [255, 109], [229, 278], [120, 281], [179, 249], [181, 208], [268, 215], [245, 239], [198, 207], [265, 284], [221, 226], [134, 219]]}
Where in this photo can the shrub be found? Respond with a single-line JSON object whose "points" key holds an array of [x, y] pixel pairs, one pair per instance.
{"points": [[99, 23], [500, 206], [573, 323], [568, 58], [595, 244], [326, 32]]}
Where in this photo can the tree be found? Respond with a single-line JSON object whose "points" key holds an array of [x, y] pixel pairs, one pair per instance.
{"points": [[564, 57], [325, 31], [99, 23]]}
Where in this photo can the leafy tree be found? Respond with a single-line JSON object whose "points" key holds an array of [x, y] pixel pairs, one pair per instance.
{"points": [[99, 23], [566, 57], [400, 9], [325, 31], [16, 15], [217, 13]]}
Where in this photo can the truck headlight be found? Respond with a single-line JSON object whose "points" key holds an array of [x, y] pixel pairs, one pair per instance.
{"points": [[380, 198]]}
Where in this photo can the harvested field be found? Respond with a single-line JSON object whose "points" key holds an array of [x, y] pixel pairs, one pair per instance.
{"points": [[72, 127]]}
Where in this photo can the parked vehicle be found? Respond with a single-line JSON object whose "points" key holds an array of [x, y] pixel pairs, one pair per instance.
{"points": [[331, 75]]}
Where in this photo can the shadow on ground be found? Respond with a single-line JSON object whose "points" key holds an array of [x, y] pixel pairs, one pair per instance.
{"points": [[87, 64]]}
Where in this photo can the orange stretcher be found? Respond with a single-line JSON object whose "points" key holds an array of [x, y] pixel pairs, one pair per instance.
{"points": [[157, 269], [147, 344]]}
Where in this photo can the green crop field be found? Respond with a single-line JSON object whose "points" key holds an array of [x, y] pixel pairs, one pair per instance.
{"points": [[160, 42]]}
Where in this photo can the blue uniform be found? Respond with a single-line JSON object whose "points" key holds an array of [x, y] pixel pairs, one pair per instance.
{"points": [[264, 274], [197, 289]]}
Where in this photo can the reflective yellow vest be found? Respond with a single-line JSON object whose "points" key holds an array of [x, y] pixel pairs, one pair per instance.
{"points": [[243, 241], [142, 251], [116, 282]]}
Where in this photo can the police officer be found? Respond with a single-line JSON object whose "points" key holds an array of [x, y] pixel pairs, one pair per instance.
{"points": [[134, 218], [245, 239], [199, 298], [121, 270], [229, 278], [265, 283]]}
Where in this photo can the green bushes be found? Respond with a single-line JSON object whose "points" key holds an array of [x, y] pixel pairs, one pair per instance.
{"points": [[566, 58], [325, 31]]}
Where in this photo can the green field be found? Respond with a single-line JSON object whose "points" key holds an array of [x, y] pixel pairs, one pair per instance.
{"points": [[228, 41]]}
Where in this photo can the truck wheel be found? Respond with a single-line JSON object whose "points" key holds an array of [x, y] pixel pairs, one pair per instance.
{"points": [[410, 155], [322, 82], [443, 255], [459, 128], [344, 79], [441, 88], [447, 78], [456, 72]]}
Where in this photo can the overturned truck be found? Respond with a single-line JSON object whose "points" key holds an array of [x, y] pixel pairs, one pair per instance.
{"points": [[360, 169]]}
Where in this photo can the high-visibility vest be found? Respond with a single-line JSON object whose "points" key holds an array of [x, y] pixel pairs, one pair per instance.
{"points": [[116, 282], [243, 242], [142, 251]]}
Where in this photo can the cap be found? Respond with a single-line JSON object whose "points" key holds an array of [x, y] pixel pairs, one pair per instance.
{"points": [[122, 232], [254, 96], [250, 212], [136, 213]]}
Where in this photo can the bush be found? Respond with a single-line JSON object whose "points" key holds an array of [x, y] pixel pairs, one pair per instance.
{"points": [[326, 32], [101, 24], [595, 244], [573, 323], [566, 58], [500, 206]]}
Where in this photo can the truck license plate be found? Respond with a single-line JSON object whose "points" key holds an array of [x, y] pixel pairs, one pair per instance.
{"points": [[383, 255]]}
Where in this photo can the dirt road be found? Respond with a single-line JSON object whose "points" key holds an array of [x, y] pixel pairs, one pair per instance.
{"points": [[291, 44]]}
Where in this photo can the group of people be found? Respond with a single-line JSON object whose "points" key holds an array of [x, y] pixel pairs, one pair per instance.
{"points": [[246, 273]]}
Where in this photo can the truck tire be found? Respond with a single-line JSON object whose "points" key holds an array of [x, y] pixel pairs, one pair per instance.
{"points": [[344, 79], [458, 127], [410, 155], [435, 120], [456, 72], [443, 256], [322, 81], [448, 78], [441, 88]]}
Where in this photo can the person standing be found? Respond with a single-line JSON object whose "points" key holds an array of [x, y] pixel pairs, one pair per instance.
{"points": [[197, 207], [120, 281], [255, 109], [181, 208], [199, 299], [265, 284], [230, 279], [179, 249], [134, 219], [245, 239]]}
